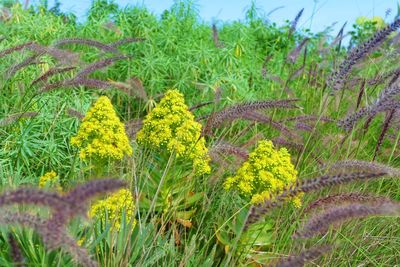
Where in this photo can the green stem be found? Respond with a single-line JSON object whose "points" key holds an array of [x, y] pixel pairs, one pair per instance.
{"points": [[153, 203]]}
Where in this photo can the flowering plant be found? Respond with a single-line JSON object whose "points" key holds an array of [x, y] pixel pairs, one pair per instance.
{"points": [[102, 135], [170, 125], [49, 180], [113, 207], [266, 173]]}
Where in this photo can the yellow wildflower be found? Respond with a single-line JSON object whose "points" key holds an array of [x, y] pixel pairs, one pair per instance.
{"points": [[266, 173], [171, 125], [376, 20], [102, 135], [50, 180], [113, 207]]}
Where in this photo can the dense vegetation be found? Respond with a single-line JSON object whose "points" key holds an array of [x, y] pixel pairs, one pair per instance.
{"points": [[238, 134]]}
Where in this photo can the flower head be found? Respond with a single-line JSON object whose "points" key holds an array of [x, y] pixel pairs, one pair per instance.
{"points": [[50, 180], [102, 135], [266, 173], [171, 126], [113, 207], [376, 20]]}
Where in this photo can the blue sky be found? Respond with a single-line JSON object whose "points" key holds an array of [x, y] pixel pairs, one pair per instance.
{"points": [[325, 11]]}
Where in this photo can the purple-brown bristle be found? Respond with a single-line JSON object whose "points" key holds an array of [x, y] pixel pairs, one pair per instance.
{"points": [[98, 65], [319, 224], [304, 257], [89, 42]]}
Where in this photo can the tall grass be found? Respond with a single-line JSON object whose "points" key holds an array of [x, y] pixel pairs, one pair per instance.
{"points": [[245, 81]]}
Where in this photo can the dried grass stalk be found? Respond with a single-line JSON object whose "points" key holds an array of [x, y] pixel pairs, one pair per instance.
{"points": [[138, 88]]}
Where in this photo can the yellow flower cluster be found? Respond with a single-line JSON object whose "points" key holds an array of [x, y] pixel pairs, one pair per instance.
{"points": [[50, 180], [172, 126], [102, 135], [113, 207], [266, 173], [378, 21]]}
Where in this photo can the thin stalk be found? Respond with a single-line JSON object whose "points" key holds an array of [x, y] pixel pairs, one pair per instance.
{"points": [[396, 143], [153, 202], [234, 246]]}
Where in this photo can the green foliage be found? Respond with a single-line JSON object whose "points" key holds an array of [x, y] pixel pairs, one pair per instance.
{"points": [[183, 220]]}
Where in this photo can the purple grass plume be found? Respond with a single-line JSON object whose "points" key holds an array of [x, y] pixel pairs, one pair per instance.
{"points": [[228, 114], [379, 79], [385, 102], [308, 185], [344, 198], [385, 127], [62, 56], [346, 166], [293, 24], [264, 66], [98, 65], [319, 224], [90, 83], [132, 87], [127, 40], [74, 113], [15, 251], [14, 49], [63, 208], [261, 118], [132, 127], [88, 42], [294, 54], [200, 105], [51, 72], [304, 257], [228, 149], [337, 79], [10, 119], [11, 71], [216, 41]]}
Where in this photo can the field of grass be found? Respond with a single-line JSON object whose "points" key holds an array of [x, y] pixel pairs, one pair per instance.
{"points": [[335, 109]]}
